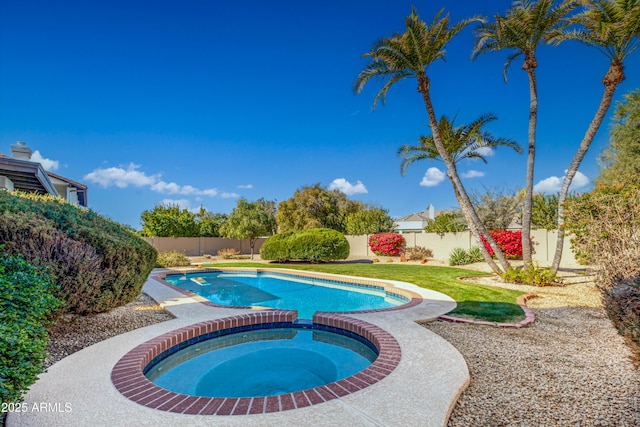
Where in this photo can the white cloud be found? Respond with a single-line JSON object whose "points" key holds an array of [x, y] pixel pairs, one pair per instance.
{"points": [[47, 164], [347, 188], [432, 177], [229, 195], [246, 186], [485, 151], [122, 178], [472, 174], [553, 184], [182, 203]]}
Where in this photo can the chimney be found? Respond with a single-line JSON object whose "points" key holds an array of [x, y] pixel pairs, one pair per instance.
{"points": [[21, 151]]}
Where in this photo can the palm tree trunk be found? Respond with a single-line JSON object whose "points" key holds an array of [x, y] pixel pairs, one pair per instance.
{"points": [[605, 102], [531, 155], [469, 211]]}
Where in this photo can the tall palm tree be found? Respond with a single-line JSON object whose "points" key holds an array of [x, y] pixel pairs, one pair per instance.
{"points": [[462, 142], [522, 29], [408, 55], [613, 28]]}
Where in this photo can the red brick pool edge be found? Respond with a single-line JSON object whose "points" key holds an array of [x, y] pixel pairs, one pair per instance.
{"points": [[128, 378]]}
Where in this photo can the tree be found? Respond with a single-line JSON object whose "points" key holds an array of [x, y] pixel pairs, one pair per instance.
{"points": [[250, 220], [447, 222], [315, 207], [369, 221], [522, 29], [496, 208], [169, 221], [613, 28], [544, 213], [210, 223], [620, 161]]}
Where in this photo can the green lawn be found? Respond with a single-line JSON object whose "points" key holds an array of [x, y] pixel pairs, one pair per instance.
{"points": [[474, 301]]}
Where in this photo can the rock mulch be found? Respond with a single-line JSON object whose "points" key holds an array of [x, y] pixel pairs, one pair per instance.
{"points": [[75, 333], [570, 368]]}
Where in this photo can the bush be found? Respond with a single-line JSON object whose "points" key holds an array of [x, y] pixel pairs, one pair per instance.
{"points": [[228, 253], [26, 304], [417, 253], [459, 256], [318, 244], [510, 242], [605, 230], [531, 275], [386, 243], [97, 263], [172, 259]]}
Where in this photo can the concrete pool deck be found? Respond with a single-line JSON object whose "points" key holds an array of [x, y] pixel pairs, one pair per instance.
{"points": [[420, 391]]}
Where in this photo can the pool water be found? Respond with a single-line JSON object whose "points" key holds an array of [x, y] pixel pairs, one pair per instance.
{"points": [[282, 291], [262, 362]]}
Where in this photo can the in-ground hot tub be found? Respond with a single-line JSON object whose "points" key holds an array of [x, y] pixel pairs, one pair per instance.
{"points": [[370, 352]]}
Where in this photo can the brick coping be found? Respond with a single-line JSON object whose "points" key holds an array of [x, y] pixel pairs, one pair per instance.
{"points": [[128, 378], [412, 297], [529, 319]]}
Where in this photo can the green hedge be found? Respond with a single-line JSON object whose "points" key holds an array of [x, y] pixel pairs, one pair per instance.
{"points": [[97, 263], [317, 244], [26, 302]]}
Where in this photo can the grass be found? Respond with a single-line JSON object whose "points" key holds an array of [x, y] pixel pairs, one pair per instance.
{"points": [[474, 301]]}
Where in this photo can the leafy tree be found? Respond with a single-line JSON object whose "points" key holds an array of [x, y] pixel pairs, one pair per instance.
{"points": [[496, 208], [447, 222], [316, 207], [169, 221], [621, 159], [210, 223], [408, 55], [613, 28], [369, 221], [544, 213], [522, 29], [250, 220]]}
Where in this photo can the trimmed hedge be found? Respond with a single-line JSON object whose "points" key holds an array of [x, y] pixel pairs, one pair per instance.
{"points": [[316, 244], [26, 302], [97, 263]]}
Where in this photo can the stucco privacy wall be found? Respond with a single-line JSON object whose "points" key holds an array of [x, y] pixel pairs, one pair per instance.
{"points": [[440, 244]]}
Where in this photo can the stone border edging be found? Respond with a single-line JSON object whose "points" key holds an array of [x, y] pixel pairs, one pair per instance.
{"points": [[529, 319]]}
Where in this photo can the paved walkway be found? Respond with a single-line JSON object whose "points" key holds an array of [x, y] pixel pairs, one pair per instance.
{"points": [[77, 391]]}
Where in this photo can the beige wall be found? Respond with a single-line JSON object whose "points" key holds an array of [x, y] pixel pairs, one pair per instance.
{"points": [[440, 244], [195, 246]]}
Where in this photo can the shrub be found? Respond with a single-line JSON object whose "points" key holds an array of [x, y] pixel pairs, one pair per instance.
{"points": [[228, 253], [26, 304], [418, 253], [605, 230], [386, 243], [459, 256], [97, 263], [172, 259], [510, 242], [531, 275], [317, 244]]}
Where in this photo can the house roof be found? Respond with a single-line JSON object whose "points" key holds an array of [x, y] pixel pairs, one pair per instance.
{"points": [[414, 217], [27, 176]]}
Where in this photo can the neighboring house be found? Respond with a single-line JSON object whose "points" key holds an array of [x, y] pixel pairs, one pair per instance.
{"points": [[415, 222], [20, 173]]}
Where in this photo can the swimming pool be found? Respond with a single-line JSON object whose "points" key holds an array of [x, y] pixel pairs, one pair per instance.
{"points": [[305, 293], [262, 362]]}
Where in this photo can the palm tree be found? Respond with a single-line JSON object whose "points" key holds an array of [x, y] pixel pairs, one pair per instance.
{"points": [[408, 55], [462, 142], [522, 29], [613, 28]]}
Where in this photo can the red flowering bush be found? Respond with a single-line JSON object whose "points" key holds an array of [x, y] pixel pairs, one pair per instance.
{"points": [[510, 242], [386, 243]]}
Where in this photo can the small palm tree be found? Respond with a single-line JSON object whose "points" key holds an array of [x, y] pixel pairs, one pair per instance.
{"points": [[522, 29], [462, 142], [613, 28], [408, 55]]}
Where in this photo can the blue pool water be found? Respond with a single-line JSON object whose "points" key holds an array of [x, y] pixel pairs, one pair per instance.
{"points": [[262, 362], [283, 292]]}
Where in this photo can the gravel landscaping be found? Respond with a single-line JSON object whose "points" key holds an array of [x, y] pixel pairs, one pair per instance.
{"points": [[570, 368]]}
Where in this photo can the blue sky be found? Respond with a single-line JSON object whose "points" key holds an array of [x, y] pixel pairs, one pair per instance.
{"points": [[203, 102]]}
